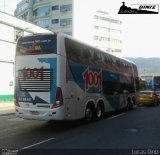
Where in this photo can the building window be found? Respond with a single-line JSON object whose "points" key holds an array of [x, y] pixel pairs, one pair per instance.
{"points": [[69, 33], [46, 23], [65, 22], [42, 11], [65, 8], [55, 21], [24, 16], [108, 19], [96, 27], [35, 13], [95, 37], [37, 1], [34, 1], [55, 7], [23, 5]]}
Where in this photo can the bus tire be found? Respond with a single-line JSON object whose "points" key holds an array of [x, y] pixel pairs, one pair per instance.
{"points": [[134, 100], [129, 104], [89, 112], [99, 111]]}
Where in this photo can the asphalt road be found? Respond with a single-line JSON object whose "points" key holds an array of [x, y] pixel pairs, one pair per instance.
{"points": [[135, 129]]}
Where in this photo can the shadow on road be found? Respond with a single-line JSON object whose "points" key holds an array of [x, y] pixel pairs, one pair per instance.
{"points": [[60, 126]]}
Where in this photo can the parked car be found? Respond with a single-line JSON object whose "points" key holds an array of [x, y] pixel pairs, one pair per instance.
{"points": [[148, 98]]}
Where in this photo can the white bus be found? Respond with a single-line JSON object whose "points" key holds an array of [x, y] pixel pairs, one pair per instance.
{"points": [[60, 78]]}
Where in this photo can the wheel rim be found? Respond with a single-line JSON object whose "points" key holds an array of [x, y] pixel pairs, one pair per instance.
{"points": [[99, 111]]}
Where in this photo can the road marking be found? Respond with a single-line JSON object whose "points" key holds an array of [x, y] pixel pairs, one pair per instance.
{"points": [[115, 116], [141, 107], [16, 119], [44, 141], [132, 130]]}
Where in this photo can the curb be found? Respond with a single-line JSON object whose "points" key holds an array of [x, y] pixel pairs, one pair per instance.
{"points": [[7, 114], [7, 108]]}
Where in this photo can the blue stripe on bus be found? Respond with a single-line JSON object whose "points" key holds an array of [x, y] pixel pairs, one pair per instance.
{"points": [[53, 66], [78, 70]]}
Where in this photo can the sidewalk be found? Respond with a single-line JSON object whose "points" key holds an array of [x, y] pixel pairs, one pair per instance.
{"points": [[6, 107]]}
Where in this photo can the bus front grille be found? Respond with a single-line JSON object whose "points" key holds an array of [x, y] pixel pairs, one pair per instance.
{"points": [[35, 80]]}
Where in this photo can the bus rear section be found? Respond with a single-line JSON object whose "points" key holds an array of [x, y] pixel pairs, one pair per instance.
{"points": [[36, 93]]}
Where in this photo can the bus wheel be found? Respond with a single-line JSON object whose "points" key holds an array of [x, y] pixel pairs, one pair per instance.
{"points": [[98, 112], [88, 113], [127, 106]]}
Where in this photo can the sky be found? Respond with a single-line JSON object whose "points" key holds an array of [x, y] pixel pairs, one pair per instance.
{"points": [[140, 32], [8, 5]]}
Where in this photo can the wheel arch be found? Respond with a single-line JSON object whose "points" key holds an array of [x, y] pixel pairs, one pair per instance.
{"points": [[91, 103]]}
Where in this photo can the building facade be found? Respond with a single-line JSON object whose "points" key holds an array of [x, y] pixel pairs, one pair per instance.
{"points": [[83, 21], [11, 29], [107, 33]]}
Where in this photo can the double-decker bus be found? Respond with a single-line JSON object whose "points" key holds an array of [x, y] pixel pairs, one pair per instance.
{"points": [[156, 83], [60, 78]]}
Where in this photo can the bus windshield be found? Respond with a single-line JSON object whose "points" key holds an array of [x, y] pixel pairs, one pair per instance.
{"points": [[157, 83], [41, 44]]}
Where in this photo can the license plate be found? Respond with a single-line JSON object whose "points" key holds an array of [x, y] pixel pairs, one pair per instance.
{"points": [[34, 112]]}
